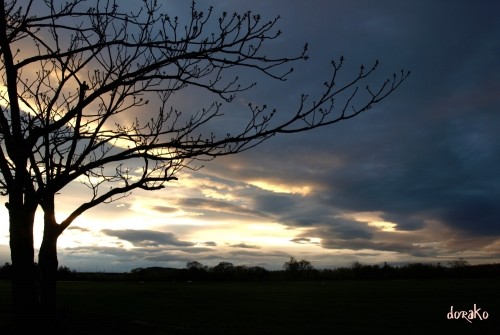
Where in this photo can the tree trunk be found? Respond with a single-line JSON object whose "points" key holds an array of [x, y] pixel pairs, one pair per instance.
{"points": [[24, 287], [48, 264]]}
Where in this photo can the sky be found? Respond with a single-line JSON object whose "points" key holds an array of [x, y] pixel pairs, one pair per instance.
{"points": [[415, 179]]}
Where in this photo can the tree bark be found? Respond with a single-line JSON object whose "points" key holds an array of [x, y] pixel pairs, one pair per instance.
{"points": [[48, 264], [24, 282]]}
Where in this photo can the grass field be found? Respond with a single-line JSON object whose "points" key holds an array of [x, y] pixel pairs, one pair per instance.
{"points": [[338, 307]]}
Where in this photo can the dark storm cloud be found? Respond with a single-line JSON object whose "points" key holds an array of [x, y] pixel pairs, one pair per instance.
{"points": [[474, 214], [147, 238], [274, 203], [430, 151], [405, 222], [441, 178]]}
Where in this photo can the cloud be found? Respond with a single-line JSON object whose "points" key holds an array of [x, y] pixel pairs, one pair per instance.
{"points": [[147, 238], [301, 240], [217, 209], [393, 246], [478, 215], [244, 246], [86, 230], [117, 253], [164, 209], [274, 203]]}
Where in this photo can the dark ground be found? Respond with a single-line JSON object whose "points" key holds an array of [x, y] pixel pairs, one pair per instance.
{"points": [[335, 307]]}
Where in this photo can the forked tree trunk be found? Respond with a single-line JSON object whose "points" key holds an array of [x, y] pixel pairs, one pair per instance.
{"points": [[33, 288]]}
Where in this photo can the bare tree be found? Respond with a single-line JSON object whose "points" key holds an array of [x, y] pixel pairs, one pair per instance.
{"points": [[86, 97], [294, 266]]}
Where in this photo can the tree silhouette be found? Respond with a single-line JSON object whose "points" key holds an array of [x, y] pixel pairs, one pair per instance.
{"points": [[194, 266], [293, 265], [86, 97]]}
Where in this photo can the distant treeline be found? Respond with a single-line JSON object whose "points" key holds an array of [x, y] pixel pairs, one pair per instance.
{"points": [[292, 270]]}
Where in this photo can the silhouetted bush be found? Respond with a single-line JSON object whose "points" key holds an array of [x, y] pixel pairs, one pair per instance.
{"points": [[65, 273]]}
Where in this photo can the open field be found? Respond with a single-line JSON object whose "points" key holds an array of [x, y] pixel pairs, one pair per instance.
{"points": [[336, 307]]}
